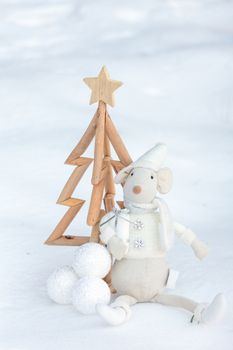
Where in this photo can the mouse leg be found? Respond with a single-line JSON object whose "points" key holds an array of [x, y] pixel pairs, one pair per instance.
{"points": [[118, 312], [201, 312]]}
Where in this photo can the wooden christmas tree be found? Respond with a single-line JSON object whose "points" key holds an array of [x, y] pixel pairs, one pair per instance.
{"points": [[103, 130]]}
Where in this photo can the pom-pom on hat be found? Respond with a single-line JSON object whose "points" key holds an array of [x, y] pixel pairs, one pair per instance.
{"points": [[152, 159]]}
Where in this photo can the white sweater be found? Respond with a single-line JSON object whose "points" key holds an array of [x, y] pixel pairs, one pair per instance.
{"points": [[144, 242]]}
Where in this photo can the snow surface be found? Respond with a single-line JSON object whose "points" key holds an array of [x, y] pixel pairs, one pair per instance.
{"points": [[176, 60]]}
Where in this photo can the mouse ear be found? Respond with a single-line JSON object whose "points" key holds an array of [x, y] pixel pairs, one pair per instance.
{"points": [[122, 174], [164, 180]]}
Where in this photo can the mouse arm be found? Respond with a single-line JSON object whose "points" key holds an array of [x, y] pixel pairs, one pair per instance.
{"points": [[188, 237], [108, 235], [107, 227]]}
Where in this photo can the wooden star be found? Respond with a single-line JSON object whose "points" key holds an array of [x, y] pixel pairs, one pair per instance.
{"points": [[102, 87]]}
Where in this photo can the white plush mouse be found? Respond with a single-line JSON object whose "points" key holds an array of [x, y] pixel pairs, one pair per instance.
{"points": [[139, 237]]}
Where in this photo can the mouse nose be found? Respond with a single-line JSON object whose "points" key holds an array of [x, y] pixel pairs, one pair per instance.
{"points": [[137, 189]]}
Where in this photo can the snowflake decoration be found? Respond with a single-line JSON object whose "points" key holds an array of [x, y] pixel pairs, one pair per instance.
{"points": [[138, 243], [138, 225]]}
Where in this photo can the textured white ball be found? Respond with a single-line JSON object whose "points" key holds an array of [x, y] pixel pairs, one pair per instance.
{"points": [[60, 284], [92, 259], [88, 292]]}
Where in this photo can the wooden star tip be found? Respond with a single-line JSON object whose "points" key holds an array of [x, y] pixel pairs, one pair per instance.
{"points": [[104, 69], [102, 87]]}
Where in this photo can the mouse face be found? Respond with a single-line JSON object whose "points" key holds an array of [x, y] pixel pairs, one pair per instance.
{"points": [[140, 185]]}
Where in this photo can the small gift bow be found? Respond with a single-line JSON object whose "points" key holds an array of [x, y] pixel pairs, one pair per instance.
{"points": [[137, 224]]}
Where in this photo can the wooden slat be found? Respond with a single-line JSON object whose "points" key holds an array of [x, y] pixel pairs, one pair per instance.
{"points": [[108, 202], [95, 229], [116, 168], [71, 202], [70, 240], [64, 222], [117, 164], [117, 142], [81, 161], [84, 142], [107, 146], [108, 280], [73, 182], [121, 204], [103, 173], [109, 184], [99, 144], [96, 199]]}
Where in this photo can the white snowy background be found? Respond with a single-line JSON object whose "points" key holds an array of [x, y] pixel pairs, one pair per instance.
{"points": [[175, 58]]}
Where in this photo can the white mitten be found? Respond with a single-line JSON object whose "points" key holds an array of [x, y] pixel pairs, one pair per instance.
{"points": [[117, 247], [200, 249]]}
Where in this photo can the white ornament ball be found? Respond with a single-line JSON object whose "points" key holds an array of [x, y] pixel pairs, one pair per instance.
{"points": [[88, 292], [60, 284], [92, 259]]}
